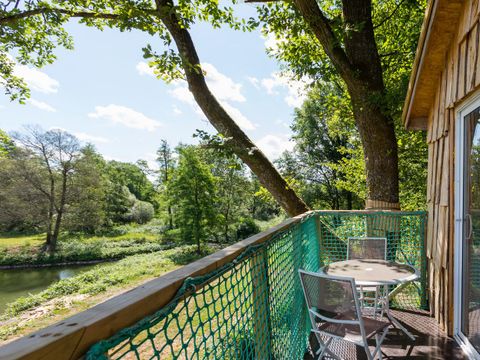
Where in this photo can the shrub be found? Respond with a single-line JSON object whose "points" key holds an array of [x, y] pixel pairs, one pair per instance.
{"points": [[142, 212], [246, 228]]}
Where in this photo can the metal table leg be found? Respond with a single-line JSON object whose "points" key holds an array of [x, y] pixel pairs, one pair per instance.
{"points": [[390, 317]]}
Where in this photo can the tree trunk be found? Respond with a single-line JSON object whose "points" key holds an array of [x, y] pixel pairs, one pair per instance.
{"points": [[238, 141], [359, 66], [169, 207], [60, 210], [50, 242]]}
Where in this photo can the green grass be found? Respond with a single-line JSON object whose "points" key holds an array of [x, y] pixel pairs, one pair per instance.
{"points": [[20, 240], [117, 243], [98, 284]]}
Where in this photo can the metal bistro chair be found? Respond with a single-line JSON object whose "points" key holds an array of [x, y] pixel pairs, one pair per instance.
{"points": [[368, 248], [334, 311]]}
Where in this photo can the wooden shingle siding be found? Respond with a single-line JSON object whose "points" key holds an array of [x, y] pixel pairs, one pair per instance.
{"points": [[459, 78]]}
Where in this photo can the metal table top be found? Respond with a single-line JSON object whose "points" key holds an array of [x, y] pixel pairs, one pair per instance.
{"points": [[373, 272]]}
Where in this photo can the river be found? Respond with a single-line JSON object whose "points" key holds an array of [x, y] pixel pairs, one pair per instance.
{"points": [[21, 282]]}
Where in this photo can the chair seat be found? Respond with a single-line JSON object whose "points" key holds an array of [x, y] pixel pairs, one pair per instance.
{"points": [[352, 332]]}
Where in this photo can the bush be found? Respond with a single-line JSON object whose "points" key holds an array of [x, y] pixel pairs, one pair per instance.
{"points": [[142, 212], [246, 228]]}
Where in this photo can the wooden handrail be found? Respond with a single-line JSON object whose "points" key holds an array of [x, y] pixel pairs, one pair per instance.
{"points": [[72, 337]]}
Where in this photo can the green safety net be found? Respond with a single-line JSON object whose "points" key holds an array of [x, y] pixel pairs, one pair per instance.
{"points": [[253, 307]]}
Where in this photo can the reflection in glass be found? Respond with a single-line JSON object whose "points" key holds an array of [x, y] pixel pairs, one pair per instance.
{"points": [[471, 231]]}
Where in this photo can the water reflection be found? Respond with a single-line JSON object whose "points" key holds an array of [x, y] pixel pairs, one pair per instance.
{"points": [[21, 282]]}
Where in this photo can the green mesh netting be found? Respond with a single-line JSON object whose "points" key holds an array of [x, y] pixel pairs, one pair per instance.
{"points": [[253, 307]]}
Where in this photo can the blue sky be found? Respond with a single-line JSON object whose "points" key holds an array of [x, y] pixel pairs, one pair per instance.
{"points": [[104, 92]]}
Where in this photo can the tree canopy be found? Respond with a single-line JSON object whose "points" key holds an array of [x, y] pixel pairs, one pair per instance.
{"points": [[362, 49]]}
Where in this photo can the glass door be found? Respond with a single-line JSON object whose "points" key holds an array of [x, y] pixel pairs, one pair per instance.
{"points": [[467, 234]]}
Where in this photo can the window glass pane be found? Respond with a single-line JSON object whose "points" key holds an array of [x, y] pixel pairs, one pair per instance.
{"points": [[471, 231]]}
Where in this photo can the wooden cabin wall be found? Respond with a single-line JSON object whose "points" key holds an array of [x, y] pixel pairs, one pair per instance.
{"points": [[460, 77]]}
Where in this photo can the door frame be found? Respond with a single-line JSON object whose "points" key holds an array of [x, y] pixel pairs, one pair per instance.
{"points": [[460, 171]]}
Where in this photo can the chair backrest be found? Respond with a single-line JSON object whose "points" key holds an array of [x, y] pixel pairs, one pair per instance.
{"points": [[367, 248], [331, 298]]}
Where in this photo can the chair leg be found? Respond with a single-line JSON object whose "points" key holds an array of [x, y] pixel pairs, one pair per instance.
{"points": [[323, 349], [367, 351], [379, 341]]}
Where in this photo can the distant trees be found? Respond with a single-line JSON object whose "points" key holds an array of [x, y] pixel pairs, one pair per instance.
{"points": [[45, 162], [192, 191], [50, 183], [166, 166], [324, 135]]}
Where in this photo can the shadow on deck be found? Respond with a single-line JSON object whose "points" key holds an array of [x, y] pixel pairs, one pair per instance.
{"points": [[430, 343]]}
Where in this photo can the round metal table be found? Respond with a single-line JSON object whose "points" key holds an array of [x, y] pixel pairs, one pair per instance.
{"points": [[373, 272]]}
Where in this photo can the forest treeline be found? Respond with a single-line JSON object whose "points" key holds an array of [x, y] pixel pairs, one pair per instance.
{"points": [[51, 183]]}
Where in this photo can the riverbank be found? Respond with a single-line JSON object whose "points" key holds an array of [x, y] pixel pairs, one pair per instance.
{"points": [[69, 296], [76, 254]]}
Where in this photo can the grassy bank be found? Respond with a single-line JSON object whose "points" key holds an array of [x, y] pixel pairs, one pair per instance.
{"points": [[118, 243], [77, 293], [17, 250], [71, 252]]}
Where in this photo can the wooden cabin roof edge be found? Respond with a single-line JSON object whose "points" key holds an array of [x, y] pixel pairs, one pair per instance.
{"points": [[418, 62]]}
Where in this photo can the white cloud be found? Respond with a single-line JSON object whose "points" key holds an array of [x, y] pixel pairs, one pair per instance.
{"points": [[36, 79], [125, 116], [183, 94], [274, 145], [41, 105], [176, 110], [225, 90], [297, 89], [254, 81], [91, 138], [223, 87], [143, 69], [237, 115]]}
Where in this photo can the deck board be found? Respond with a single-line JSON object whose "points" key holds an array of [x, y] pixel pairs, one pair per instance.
{"points": [[430, 343]]}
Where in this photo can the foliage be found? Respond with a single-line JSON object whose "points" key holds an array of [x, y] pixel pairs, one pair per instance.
{"points": [[142, 212], [193, 196], [262, 206], [323, 131], [133, 177], [87, 208], [247, 227], [328, 158], [231, 190], [42, 165], [167, 164], [6, 144]]}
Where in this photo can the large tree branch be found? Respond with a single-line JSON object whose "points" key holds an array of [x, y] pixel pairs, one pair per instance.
{"points": [[320, 26], [12, 18], [237, 140]]}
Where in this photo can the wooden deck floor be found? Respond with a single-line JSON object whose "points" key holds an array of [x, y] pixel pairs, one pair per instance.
{"points": [[430, 343]]}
